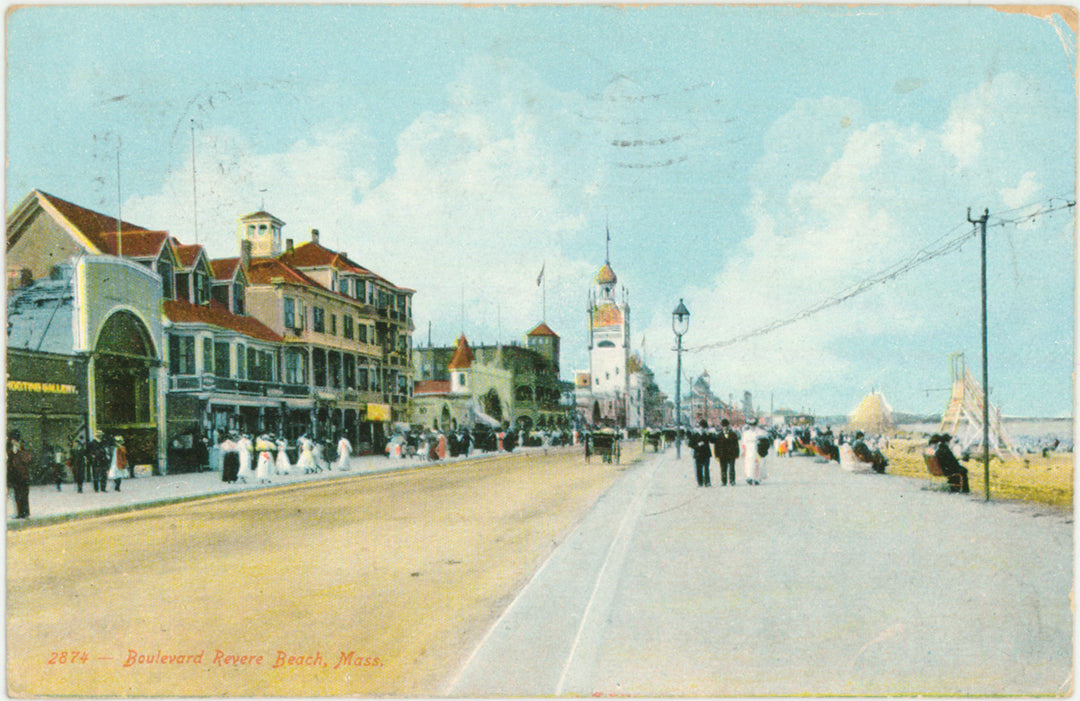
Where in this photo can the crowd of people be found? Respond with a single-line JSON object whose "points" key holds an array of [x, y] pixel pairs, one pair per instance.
{"points": [[755, 443], [258, 459], [433, 444]]}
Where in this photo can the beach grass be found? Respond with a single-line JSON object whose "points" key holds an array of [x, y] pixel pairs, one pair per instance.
{"points": [[1030, 477]]}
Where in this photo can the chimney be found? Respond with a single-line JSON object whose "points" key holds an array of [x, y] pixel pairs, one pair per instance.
{"points": [[245, 254], [315, 236], [288, 246]]}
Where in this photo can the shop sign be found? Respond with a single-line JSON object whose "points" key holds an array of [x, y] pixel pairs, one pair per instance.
{"points": [[378, 412], [40, 387]]}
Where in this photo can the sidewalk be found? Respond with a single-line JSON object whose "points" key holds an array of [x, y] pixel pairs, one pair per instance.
{"points": [[47, 505]]}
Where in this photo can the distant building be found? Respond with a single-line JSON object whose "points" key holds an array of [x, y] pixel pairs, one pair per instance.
{"points": [[508, 385], [606, 400]]}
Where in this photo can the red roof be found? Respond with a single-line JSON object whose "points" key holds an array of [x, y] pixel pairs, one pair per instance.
{"points": [[431, 387], [224, 268], [264, 271], [314, 255], [186, 254], [607, 315], [100, 229], [136, 244], [543, 330], [87, 221], [463, 355], [215, 314]]}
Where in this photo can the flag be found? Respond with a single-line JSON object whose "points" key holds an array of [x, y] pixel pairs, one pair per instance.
{"points": [[540, 277]]}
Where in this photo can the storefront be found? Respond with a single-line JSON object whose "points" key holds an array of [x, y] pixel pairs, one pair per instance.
{"points": [[46, 403]]}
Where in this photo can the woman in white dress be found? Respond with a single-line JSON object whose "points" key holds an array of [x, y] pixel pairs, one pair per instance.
{"points": [[753, 460], [264, 448], [283, 465], [344, 451], [118, 464], [243, 447], [306, 459]]}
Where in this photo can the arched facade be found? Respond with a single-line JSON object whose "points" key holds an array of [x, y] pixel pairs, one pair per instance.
{"points": [[122, 335]]}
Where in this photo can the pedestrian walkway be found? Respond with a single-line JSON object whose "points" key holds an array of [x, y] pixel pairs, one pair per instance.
{"points": [[815, 582], [47, 505]]}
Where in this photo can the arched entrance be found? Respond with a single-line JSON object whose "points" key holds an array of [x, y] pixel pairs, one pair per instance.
{"points": [[493, 405], [125, 387]]}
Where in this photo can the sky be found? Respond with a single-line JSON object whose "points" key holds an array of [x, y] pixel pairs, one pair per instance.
{"points": [[800, 177]]}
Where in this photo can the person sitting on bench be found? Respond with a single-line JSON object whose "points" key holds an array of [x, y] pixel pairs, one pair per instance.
{"points": [[952, 469], [864, 454]]}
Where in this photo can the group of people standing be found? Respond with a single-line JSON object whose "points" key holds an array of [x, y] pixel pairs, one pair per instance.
{"points": [[245, 460], [727, 446], [100, 460]]}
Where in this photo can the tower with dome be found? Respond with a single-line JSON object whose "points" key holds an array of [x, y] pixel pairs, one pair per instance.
{"points": [[609, 351]]}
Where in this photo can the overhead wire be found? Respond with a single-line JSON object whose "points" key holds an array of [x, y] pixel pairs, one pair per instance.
{"points": [[943, 245]]}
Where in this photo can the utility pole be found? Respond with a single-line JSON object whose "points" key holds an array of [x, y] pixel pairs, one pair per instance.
{"points": [[981, 221]]}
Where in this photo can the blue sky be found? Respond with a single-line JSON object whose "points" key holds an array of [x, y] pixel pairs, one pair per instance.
{"points": [[752, 160]]}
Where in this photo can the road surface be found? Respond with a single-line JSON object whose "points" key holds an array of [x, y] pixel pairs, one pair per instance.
{"points": [[816, 582]]}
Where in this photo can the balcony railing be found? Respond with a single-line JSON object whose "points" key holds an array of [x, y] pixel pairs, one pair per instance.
{"points": [[232, 385]]}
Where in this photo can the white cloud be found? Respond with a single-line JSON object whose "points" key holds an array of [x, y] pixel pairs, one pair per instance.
{"points": [[833, 206], [313, 184], [480, 196], [1025, 191]]}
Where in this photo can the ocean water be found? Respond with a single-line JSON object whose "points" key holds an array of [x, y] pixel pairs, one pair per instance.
{"points": [[1023, 432]]}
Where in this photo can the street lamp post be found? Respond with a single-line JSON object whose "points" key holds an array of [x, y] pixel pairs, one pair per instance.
{"points": [[680, 322]]}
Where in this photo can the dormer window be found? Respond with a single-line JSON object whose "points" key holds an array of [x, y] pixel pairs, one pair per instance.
{"points": [[165, 270], [238, 299], [202, 287]]}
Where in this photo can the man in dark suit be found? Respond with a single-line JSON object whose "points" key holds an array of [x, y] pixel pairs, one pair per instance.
{"points": [[954, 472], [699, 442], [18, 473], [98, 460], [726, 450]]}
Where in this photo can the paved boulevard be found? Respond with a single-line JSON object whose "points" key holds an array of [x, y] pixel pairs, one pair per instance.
{"points": [[816, 582], [447, 581]]}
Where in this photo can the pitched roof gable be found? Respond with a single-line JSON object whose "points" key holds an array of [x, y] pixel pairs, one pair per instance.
{"points": [[96, 231], [224, 269], [542, 329], [215, 314], [187, 254], [264, 271], [463, 355]]}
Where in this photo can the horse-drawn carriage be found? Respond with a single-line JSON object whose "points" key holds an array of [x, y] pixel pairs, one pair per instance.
{"points": [[654, 438], [605, 444]]}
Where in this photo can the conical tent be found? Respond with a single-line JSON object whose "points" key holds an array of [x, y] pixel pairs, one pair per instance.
{"points": [[873, 415]]}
